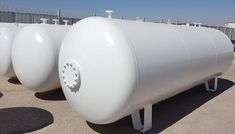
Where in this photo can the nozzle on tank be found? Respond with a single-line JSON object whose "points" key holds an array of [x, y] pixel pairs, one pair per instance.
{"points": [[55, 21], [109, 12], [44, 20], [66, 22], [169, 21]]}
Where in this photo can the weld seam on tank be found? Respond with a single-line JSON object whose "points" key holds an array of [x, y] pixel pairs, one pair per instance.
{"points": [[137, 65], [189, 56], [215, 48]]}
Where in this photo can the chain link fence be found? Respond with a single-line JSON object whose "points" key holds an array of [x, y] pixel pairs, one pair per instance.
{"points": [[14, 15], [230, 32]]}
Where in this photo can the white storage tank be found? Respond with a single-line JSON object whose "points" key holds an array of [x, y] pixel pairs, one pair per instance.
{"points": [[7, 34], [112, 68], [35, 53]]}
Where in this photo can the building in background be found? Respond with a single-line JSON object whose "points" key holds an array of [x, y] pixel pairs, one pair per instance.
{"points": [[229, 24]]}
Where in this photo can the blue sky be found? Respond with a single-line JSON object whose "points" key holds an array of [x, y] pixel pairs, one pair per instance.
{"points": [[206, 11]]}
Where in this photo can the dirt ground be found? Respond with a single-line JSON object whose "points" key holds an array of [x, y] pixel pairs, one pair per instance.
{"points": [[192, 112]]}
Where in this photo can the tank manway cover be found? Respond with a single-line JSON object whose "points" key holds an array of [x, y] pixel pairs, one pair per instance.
{"points": [[71, 75]]}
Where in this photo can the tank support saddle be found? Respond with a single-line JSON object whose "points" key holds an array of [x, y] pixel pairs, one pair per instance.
{"points": [[147, 123], [215, 85]]}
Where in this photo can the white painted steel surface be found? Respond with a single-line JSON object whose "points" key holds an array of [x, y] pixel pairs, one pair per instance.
{"points": [[111, 68], [35, 53], [7, 34]]}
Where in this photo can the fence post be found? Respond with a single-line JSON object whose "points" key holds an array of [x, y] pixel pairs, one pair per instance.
{"points": [[58, 15], [231, 33]]}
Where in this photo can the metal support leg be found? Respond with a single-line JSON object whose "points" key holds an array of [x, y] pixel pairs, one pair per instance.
{"points": [[136, 120], [215, 85]]}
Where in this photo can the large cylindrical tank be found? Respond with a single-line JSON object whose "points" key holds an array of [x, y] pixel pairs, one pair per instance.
{"points": [[7, 34], [110, 68], [35, 53]]}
